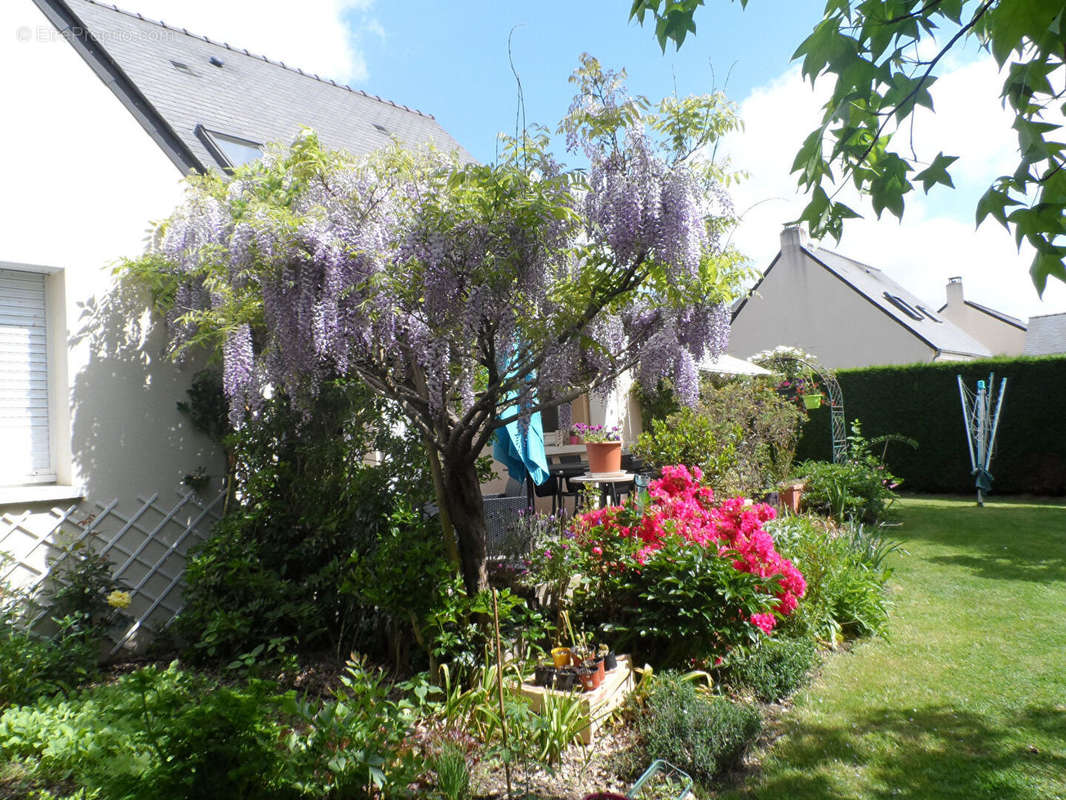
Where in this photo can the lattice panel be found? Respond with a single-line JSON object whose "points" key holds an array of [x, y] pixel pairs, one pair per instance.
{"points": [[147, 547]]}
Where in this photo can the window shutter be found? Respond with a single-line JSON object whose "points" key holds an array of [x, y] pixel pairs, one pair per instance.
{"points": [[25, 454]]}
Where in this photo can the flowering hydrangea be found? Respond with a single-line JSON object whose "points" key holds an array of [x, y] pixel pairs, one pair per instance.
{"points": [[681, 506]]}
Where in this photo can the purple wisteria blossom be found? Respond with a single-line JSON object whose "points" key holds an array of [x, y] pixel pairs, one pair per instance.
{"points": [[458, 290]]}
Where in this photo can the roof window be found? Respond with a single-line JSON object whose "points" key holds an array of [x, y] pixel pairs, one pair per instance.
{"points": [[230, 151], [904, 306], [381, 128], [180, 67], [929, 314]]}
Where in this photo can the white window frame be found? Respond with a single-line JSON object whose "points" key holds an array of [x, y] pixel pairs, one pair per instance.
{"points": [[59, 452]]}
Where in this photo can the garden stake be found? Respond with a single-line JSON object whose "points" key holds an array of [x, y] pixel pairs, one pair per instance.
{"points": [[499, 687]]}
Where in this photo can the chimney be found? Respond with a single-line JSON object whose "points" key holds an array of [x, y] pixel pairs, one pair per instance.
{"points": [[793, 237], [954, 292]]}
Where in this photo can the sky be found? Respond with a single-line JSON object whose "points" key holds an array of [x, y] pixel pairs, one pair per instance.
{"points": [[454, 60]]}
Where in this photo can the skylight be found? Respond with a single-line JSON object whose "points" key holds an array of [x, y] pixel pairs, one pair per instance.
{"points": [[230, 151], [929, 314], [904, 306]]}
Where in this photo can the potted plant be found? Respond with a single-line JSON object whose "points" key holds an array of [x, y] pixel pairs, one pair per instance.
{"points": [[544, 675], [791, 494], [575, 434], [561, 657], [565, 680], [610, 660], [604, 447]]}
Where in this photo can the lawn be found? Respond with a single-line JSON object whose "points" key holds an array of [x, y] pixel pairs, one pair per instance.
{"points": [[967, 697]]}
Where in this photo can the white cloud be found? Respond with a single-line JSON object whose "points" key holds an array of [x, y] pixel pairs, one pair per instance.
{"points": [[318, 36], [936, 238]]}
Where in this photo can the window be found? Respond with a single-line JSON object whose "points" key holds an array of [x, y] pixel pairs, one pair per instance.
{"points": [[24, 410], [229, 151], [903, 306]]}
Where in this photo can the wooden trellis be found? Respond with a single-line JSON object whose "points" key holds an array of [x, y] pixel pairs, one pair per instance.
{"points": [[146, 547]]}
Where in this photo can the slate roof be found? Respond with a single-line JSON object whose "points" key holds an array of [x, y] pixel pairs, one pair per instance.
{"points": [[174, 82], [1046, 335], [910, 312], [1017, 323]]}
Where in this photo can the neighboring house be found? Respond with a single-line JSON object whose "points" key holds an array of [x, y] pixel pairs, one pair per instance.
{"points": [[1001, 333], [105, 112], [847, 313], [1046, 336]]}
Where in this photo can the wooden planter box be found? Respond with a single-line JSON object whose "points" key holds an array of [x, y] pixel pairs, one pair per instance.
{"points": [[597, 704]]}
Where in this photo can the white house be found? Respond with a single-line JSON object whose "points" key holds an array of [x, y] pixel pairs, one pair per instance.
{"points": [[847, 313], [1001, 333], [106, 112]]}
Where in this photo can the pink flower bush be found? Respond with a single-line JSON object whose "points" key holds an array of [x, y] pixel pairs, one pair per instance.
{"points": [[681, 506]]}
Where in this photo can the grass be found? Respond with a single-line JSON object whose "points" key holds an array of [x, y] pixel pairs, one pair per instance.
{"points": [[967, 697]]}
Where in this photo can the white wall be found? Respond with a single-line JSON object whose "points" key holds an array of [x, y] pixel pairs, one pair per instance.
{"points": [[81, 182], [802, 304], [1002, 338]]}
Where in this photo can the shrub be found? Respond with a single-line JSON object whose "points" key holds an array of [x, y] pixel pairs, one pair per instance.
{"points": [[769, 426], [680, 577], [859, 488], [688, 437], [772, 669], [846, 576], [702, 735], [275, 567], [32, 666]]}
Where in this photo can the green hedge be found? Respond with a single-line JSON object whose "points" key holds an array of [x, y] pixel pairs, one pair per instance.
{"points": [[922, 401]]}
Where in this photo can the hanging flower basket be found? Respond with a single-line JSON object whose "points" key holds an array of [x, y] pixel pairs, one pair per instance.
{"points": [[812, 401]]}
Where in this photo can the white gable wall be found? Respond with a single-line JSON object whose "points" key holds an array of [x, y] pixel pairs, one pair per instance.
{"points": [[81, 181], [802, 304], [1002, 338]]}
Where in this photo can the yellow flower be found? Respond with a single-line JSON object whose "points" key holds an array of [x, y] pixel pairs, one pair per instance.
{"points": [[118, 599]]}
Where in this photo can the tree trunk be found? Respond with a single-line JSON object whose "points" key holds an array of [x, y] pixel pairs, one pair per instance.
{"points": [[462, 495]]}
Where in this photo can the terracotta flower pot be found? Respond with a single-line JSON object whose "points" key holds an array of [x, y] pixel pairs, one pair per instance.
{"points": [[791, 496], [587, 678], [604, 456]]}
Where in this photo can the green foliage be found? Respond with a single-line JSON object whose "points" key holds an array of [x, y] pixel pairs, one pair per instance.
{"points": [[859, 488], [167, 733], [681, 605], [452, 772], [78, 589], [769, 428], [881, 66], [691, 438], [156, 733], [33, 666], [921, 401], [846, 575], [458, 627], [772, 669], [277, 563], [359, 736], [702, 735]]}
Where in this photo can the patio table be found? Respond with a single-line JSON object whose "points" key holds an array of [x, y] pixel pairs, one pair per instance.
{"points": [[609, 483]]}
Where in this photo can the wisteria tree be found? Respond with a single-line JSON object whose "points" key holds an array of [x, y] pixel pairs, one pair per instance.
{"points": [[469, 294]]}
